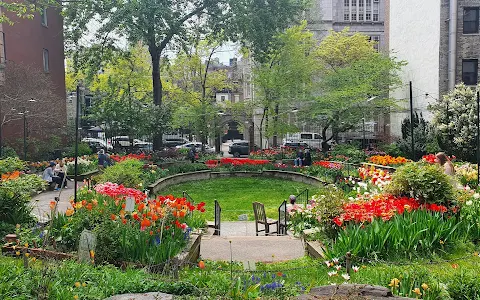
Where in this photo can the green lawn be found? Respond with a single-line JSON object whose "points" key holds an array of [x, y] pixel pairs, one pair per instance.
{"points": [[236, 195]]}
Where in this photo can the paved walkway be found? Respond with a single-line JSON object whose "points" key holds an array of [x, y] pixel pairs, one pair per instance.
{"points": [[237, 239], [41, 202]]}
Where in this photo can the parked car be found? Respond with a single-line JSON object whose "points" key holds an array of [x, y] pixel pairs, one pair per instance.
{"points": [[97, 144], [295, 145], [238, 148], [314, 140], [197, 145], [174, 142], [124, 142]]}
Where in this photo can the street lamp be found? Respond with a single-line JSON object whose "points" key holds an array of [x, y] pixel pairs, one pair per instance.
{"points": [[24, 113]]}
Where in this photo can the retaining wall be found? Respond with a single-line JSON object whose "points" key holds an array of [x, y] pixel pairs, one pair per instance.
{"points": [[208, 174]]}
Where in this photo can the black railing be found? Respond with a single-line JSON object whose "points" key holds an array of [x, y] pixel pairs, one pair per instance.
{"points": [[302, 197], [218, 211], [282, 219], [188, 197]]}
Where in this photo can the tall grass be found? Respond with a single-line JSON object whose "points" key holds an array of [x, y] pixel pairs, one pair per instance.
{"points": [[410, 235]]}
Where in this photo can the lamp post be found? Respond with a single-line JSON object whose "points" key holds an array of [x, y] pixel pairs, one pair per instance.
{"points": [[77, 124], [24, 113], [363, 123], [478, 138]]}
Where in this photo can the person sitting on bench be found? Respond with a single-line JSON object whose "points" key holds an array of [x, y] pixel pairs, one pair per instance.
{"points": [[50, 177]]}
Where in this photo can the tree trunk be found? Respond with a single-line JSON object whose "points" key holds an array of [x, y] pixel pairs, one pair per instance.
{"points": [[261, 127], [157, 90], [275, 123], [324, 139]]}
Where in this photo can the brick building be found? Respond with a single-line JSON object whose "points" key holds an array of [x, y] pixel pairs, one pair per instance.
{"points": [[35, 44]]}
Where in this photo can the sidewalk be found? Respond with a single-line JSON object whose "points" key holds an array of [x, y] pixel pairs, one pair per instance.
{"points": [[41, 202], [237, 241]]}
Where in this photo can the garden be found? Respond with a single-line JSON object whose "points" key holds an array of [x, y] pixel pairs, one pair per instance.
{"points": [[404, 225]]}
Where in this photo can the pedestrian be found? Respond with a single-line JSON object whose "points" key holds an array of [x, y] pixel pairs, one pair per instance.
{"points": [[442, 160], [298, 161], [61, 171], [192, 154], [307, 161], [49, 176], [101, 159]]}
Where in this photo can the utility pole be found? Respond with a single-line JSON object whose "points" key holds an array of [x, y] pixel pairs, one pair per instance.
{"points": [[411, 121]]}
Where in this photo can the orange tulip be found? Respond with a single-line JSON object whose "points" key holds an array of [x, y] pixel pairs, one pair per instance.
{"points": [[201, 264], [113, 217], [69, 212]]}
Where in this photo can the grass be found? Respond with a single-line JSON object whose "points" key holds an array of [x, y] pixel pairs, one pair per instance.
{"points": [[236, 195]]}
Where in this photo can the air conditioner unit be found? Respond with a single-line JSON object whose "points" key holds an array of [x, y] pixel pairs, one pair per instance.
{"points": [[376, 1]]}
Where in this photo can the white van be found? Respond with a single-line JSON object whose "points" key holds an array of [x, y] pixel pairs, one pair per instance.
{"points": [[314, 140]]}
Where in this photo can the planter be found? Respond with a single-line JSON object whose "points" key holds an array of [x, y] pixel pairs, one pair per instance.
{"points": [[39, 253]]}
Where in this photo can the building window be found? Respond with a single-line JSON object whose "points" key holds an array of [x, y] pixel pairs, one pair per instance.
{"points": [[360, 3], [470, 71], [346, 17], [470, 20], [354, 17], [43, 16], [375, 17], [376, 40], [222, 98], [368, 16], [360, 17], [346, 3], [46, 61], [354, 2]]}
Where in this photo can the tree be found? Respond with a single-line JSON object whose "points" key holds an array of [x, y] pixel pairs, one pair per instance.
{"points": [[284, 79], [352, 71], [424, 137], [455, 119], [29, 94], [24, 9], [158, 24]]}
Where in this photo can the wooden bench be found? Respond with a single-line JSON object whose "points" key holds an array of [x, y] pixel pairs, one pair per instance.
{"points": [[261, 218]]}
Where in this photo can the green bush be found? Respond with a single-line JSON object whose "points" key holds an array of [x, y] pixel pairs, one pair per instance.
{"points": [[464, 286], [128, 172], [426, 182], [416, 234], [11, 164], [392, 149], [8, 152], [83, 149], [15, 198], [353, 152]]}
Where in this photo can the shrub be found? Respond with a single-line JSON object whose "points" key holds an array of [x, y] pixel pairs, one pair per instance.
{"points": [[427, 183], [11, 164], [8, 152], [15, 198], [128, 173], [392, 149], [355, 155], [83, 149]]}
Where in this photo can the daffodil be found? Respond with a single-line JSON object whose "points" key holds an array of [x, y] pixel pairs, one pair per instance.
{"points": [[417, 291], [425, 286], [394, 282]]}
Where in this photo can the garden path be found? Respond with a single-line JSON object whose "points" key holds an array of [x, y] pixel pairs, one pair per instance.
{"points": [[41, 202], [245, 246]]}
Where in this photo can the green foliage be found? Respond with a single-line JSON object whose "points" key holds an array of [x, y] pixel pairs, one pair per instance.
{"points": [[416, 234], [426, 182], [352, 71], [11, 164], [464, 286], [15, 198], [391, 149], [425, 140], [128, 172], [470, 214], [57, 281], [354, 154], [83, 149], [455, 117], [8, 152]]}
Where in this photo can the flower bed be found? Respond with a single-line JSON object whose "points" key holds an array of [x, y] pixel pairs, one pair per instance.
{"points": [[329, 165], [387, 160]]}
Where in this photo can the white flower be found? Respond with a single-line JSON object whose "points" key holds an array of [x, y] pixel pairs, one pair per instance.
{"points": [[476, 195], [469, 202], [327, 263], [338, 268], [351, 199], [355, 269], [333, 273], [346, 276], [335, 260]]}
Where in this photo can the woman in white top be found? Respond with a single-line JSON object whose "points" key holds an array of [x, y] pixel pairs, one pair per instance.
{"points": [[61, 171]]}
